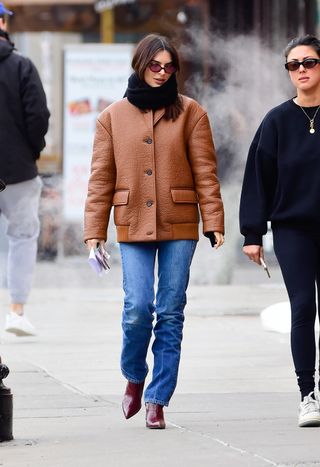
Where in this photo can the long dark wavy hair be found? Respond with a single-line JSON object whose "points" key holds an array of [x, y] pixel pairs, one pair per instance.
{"points": [[145, 51]]}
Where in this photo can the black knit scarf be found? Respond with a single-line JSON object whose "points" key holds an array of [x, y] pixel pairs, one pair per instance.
{"points": [[145, 97]]}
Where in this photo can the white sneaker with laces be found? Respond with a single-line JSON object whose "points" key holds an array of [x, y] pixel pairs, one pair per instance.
{"points": [[19, 325], [309, 411]]}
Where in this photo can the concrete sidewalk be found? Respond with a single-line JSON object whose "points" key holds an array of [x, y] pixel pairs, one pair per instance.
{"points": [[235, 405]]}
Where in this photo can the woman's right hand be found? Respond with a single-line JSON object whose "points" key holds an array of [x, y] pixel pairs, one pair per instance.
{"points": [[93, 242], [254, 252]]}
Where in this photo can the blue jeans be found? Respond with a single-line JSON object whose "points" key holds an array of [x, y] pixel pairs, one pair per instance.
{"points": [[138, 262]]}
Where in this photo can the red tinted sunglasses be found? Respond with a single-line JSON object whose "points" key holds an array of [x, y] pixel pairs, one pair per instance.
{"points": [[156, 68]]}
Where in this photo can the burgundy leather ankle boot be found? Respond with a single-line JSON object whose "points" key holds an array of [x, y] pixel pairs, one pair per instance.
{"points": [[131, 403], [154, 416]]}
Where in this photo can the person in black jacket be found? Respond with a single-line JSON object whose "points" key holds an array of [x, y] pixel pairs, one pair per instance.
{"points": [[281, 185], [23, 124]]}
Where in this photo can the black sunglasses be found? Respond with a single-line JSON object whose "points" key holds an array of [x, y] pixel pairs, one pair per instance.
{"points": [[156, 68], [307, 63]]}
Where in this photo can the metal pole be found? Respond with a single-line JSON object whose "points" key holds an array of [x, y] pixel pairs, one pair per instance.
{"points": [[6, 406]]}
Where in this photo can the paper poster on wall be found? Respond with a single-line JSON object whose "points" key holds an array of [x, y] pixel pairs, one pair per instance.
{"points": [[95, 75]]}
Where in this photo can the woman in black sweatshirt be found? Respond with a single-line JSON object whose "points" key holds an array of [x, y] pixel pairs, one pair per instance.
{"points": [[282, 185]]}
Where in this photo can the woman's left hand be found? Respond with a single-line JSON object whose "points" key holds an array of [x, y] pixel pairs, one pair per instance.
{"points": [[219, 239]]}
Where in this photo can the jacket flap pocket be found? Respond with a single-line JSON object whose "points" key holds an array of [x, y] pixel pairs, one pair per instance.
{"points": [[184, 195], [120, 197]]}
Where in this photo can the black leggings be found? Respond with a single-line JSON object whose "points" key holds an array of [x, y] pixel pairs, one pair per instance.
{"points": [[298, 253]]}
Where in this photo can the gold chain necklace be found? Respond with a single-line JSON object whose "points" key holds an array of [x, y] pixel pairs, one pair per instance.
{"points": [[311, 120]]}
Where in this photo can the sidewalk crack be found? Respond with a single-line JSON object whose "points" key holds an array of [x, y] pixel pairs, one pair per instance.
{"points": [[226, 444], [74, 389]]}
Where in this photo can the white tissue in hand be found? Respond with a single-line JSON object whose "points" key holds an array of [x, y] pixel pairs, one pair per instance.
{"points": [[98, 260]]}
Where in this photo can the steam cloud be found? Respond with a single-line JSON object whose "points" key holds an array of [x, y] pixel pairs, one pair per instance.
{"points": [[248, 79]]}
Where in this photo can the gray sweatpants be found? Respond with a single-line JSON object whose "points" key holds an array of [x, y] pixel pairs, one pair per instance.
{"points": [[19, 203]]}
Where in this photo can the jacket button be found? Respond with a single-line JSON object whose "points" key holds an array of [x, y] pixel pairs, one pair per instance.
{"points": [[149, 203], [149, 141], [150, 232], [149, 172]]}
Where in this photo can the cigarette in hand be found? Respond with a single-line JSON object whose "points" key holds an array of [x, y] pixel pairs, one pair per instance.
{"points": [[265, 267]]}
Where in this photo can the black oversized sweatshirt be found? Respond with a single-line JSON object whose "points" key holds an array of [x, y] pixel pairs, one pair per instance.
{"points": [[282, 175]]}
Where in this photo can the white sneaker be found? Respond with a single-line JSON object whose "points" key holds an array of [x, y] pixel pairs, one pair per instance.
{"points": [[19, 325], [309, 411]]}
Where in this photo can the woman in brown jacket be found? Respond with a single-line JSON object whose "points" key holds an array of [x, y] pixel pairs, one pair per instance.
{"points": [[154, 161]]}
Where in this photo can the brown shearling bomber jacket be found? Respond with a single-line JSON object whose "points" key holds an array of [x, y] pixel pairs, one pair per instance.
{"points": [[155, 173]]}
